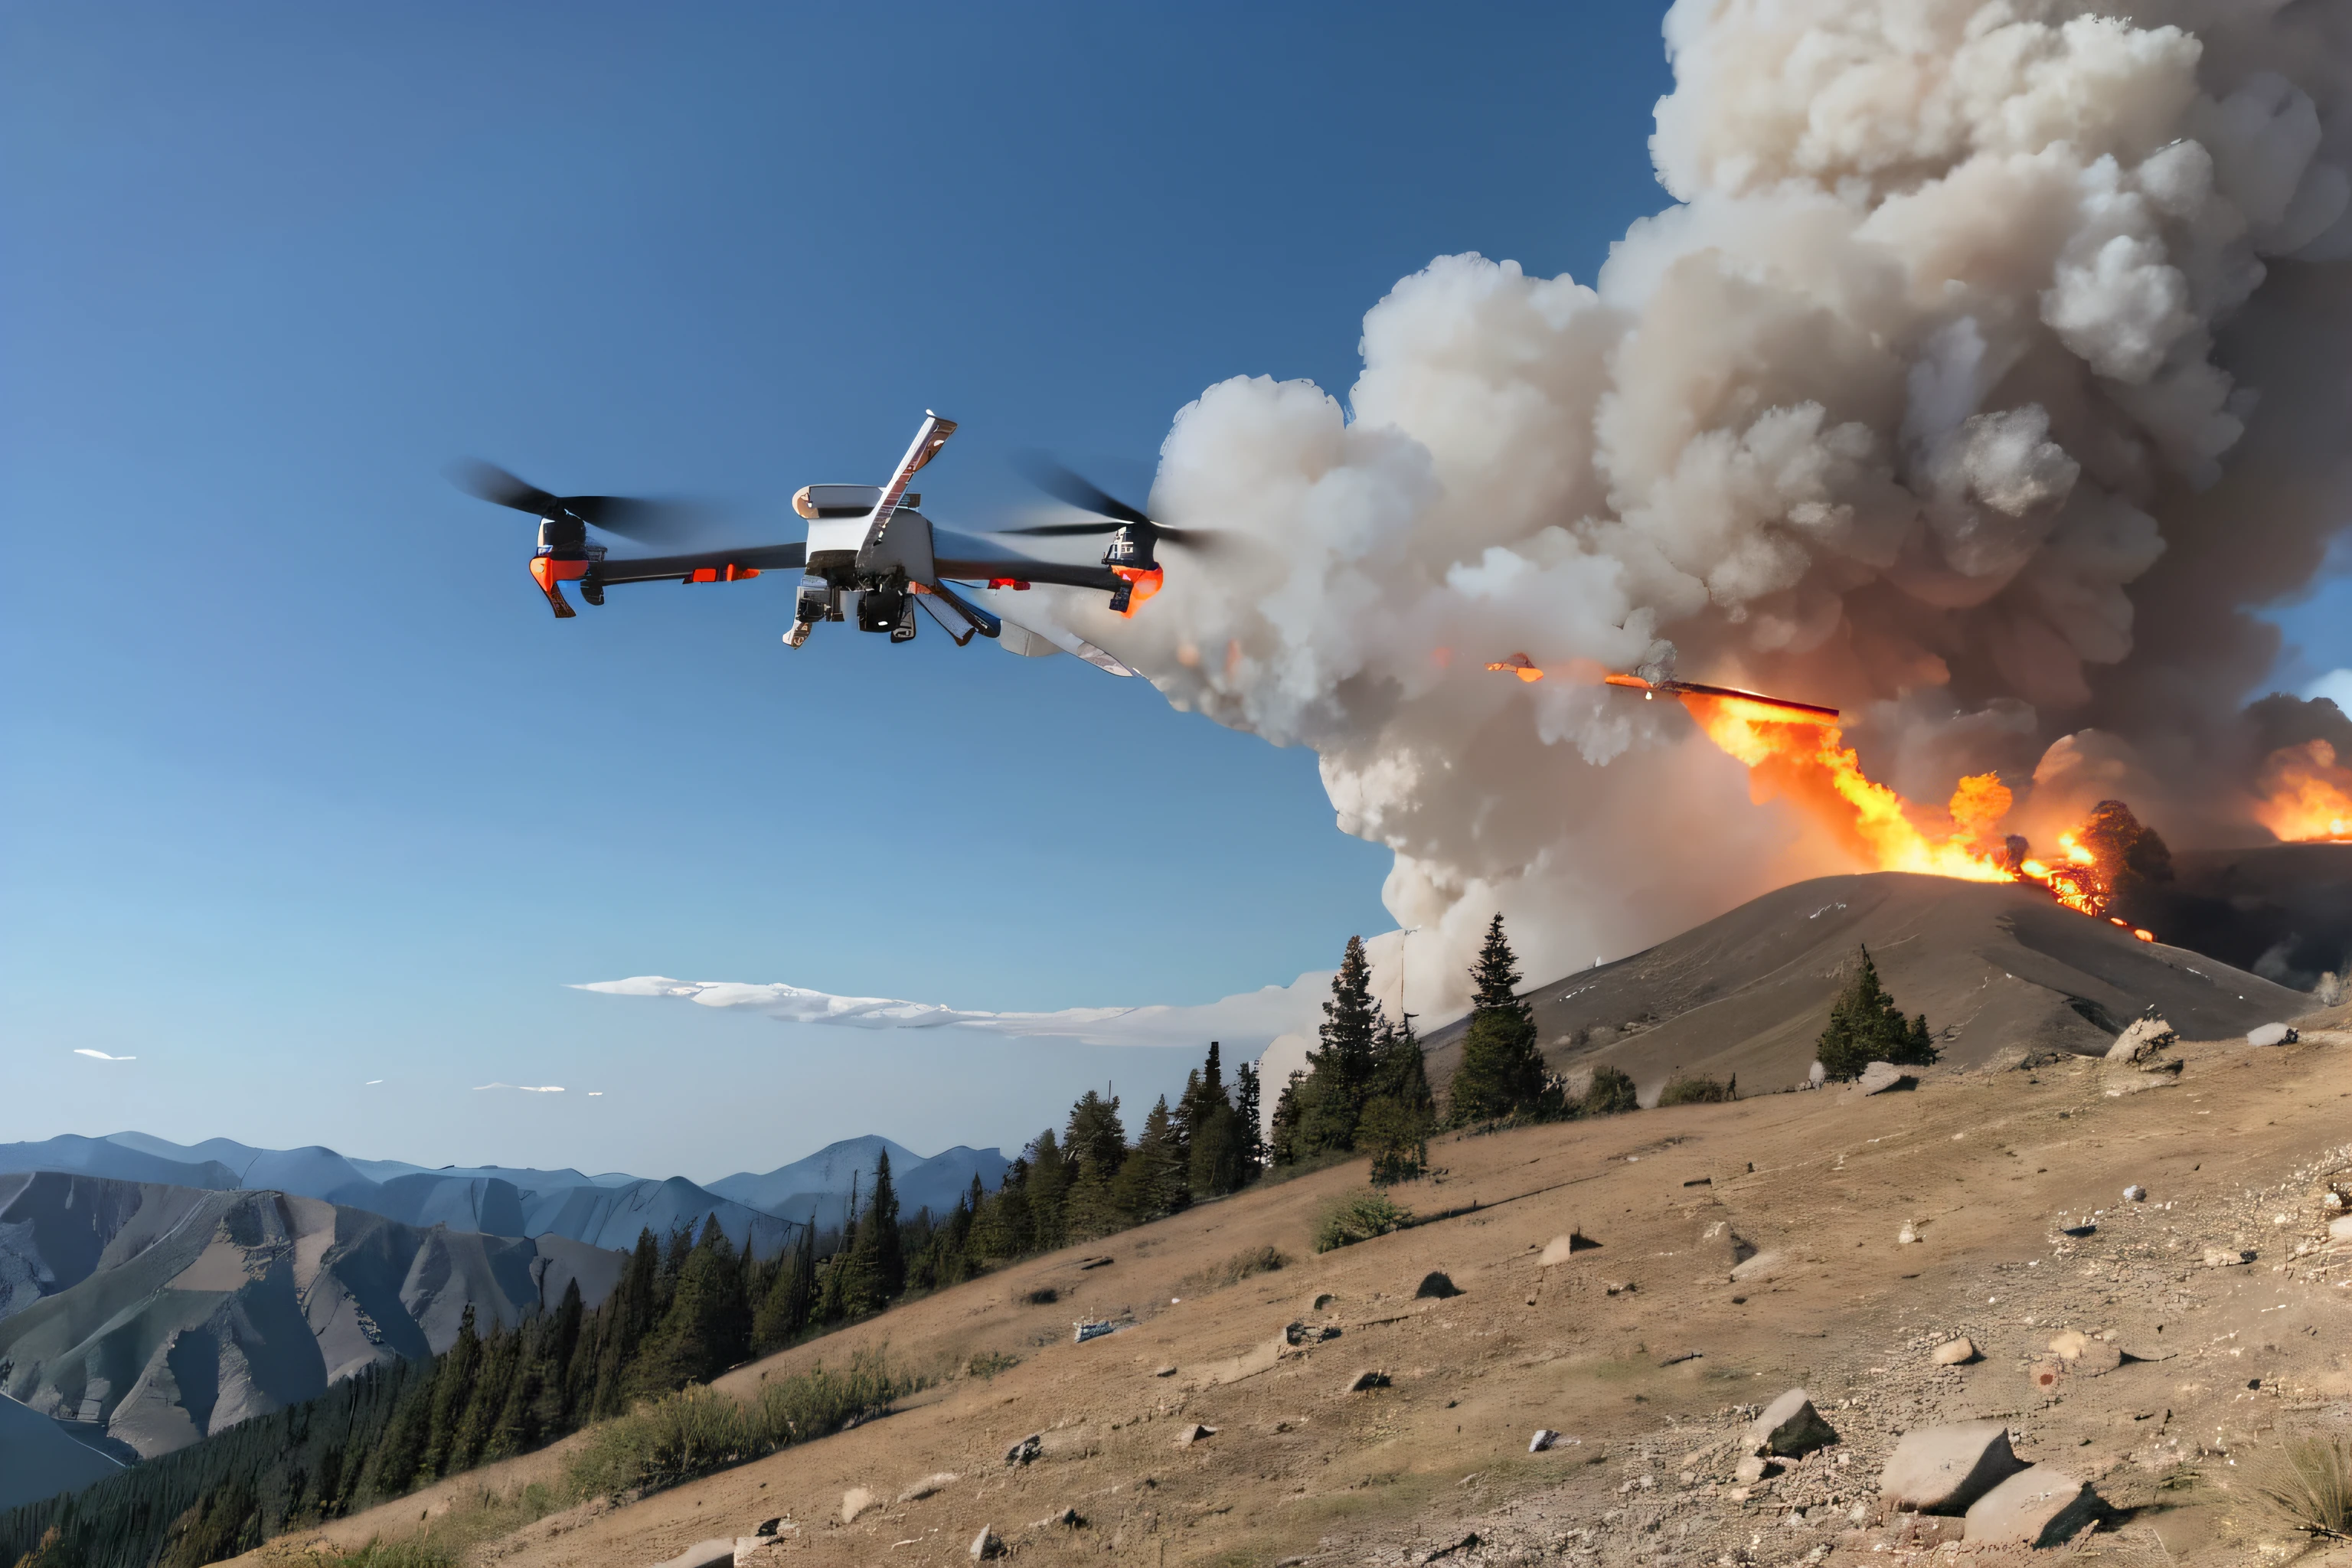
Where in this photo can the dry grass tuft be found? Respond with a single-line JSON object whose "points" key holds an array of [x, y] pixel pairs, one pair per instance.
{"points": [[2309, 1482], [1241, 1265]]}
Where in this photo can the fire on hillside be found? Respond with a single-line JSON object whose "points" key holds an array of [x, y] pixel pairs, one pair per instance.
{"points": [[1810, 763]]}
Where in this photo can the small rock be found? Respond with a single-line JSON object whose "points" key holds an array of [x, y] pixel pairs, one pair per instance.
{"points": [[1544, 1438], [1955, 1352], [2135, 1193], [1194, 1432], [1816, 1076], [1763, 1266], [857, 1501], [929, 1485], [1322, 1299], [2226, 1258], [2143, 1039], [1366, 1380], [2340, 1229], [1169, 1371], [1025, 1450], [2068, 1345], [1906, 1235], [1943, 1469], [1434, 1285], [985, 1544], [770, 1526], [1620, 1286], [1069, 1518], [2038, 1506], [1751, 1469], [1790, 1427], [1880, 1077], [1912, 1531], [2272, 1035]]}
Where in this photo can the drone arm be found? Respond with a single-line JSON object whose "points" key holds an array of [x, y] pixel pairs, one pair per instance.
{"points": [[728, 565], [986, 569]]}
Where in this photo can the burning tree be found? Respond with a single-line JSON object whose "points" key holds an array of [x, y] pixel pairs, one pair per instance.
{"points": [[1865, 1026]]}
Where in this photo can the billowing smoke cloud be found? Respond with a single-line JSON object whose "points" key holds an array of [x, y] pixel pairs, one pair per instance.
{"points": [[1989, 366]]}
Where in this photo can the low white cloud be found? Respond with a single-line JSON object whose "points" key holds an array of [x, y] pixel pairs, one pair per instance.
{"points": [[372, 1083], [526, 1088], [101, 1056], [1253, 1018], [2336, 686], [595, 1094]]}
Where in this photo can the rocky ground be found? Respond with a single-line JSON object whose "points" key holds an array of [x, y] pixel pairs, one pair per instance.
{"points": [[1743, 1250]]}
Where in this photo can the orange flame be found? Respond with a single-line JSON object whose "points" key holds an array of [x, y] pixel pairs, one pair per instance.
{"points": [[1809, 762], [2305, 795]]}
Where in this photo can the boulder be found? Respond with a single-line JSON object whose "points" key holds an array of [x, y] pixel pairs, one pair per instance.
{"points": [[2038, 1506], [1943, 1469], [1790, 1427], [1436, 1286], [857, 1501], [1762, 1266], [985, 1544], [1193, 1433], [2142, 1040], [1366, 1380], [1544, 1438], [771, 1526], [2272, 1035], [1560, 1248], [703, 1554], [1955, 1352], [2340, 1229], [1720, 1246], [1880, 1077], [1322, 1299], [1025, 1450]]}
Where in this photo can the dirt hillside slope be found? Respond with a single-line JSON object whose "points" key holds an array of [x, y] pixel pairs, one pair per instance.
{"points": [[1999, 969], [1644, 1350]]}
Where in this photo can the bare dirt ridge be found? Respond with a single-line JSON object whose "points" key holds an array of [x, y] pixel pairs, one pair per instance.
{"points": [[2211, 1317], [1999, 969]]}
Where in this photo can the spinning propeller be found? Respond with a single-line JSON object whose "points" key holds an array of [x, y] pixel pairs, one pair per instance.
{"points": [[647, 522], [1136, 536]]}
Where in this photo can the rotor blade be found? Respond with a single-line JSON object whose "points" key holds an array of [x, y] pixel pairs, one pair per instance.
{"points": [[1075, 490], [650, 521], [1202, 539], [493, 484], [1067, 528]]}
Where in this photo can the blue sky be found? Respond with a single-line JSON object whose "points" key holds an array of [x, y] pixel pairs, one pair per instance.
{"points": [[303, 787]]}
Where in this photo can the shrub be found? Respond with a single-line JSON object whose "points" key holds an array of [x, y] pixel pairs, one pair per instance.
{"points": [[1609, 1092], [402, 1551], [1865, 1026], [988, 1363], [694, 1431], [1699, 1091], [1234, 1269], [1357, 1216], [2309, 1482]]}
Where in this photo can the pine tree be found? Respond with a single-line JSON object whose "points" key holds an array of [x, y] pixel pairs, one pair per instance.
{"points": [[1049, 1185], [1247, 1113], [484, 1398], [1401, 1111], [783, 1314], [629, 1316], [1095, 1143], [1282, 1139], [1153, 1182], [876, 1271], [1865, 1026], [452, 1384], [1339, 1070], [1502, 1070]]}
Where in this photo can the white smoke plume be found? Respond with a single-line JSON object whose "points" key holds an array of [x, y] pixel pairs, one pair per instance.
{"points": [[1989, 367]]}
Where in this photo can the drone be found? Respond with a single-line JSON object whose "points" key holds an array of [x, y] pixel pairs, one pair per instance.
{"points": [[870, 556]]}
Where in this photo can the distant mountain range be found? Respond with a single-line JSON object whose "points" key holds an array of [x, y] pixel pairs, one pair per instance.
{"points": [[139, 1318], [760, 1212]]}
